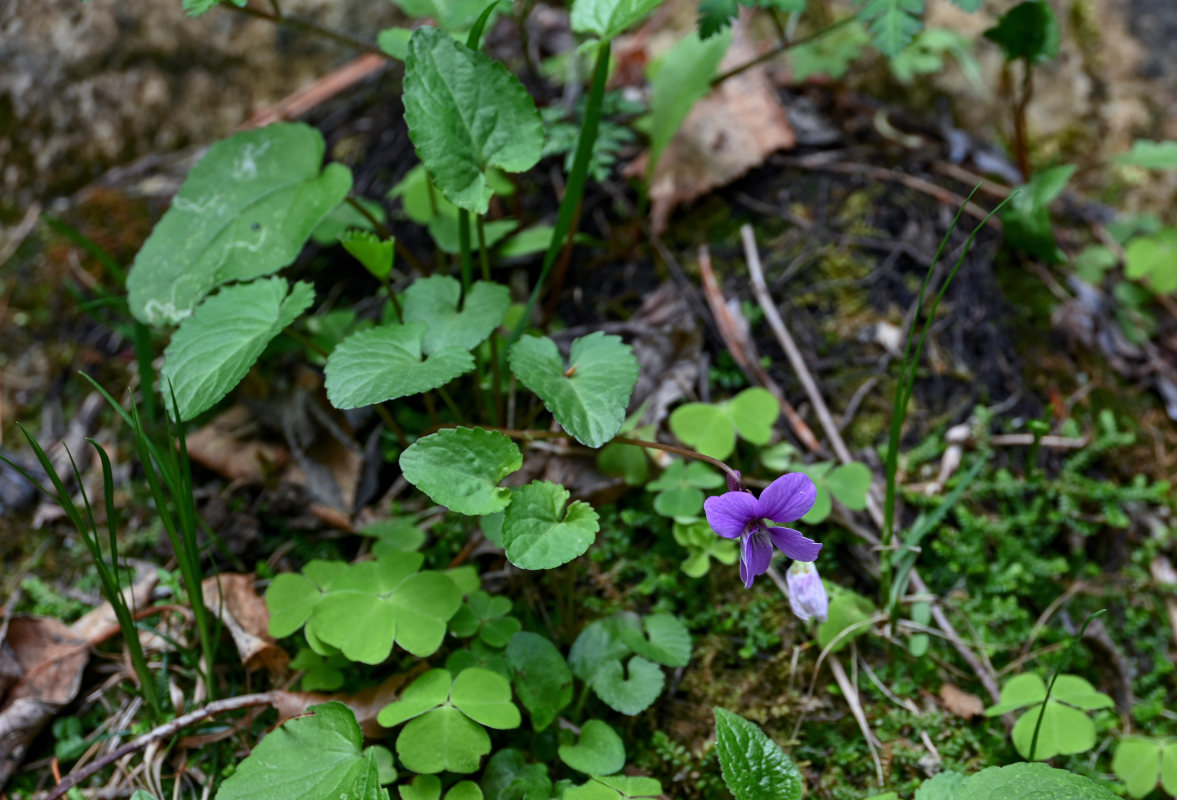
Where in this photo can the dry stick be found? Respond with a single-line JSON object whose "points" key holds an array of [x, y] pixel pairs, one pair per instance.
{"points": [[850, 692], [738, 346], [163, 732], [760, 289]]}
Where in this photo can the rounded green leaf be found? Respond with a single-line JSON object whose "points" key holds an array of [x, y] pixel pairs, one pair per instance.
{"points": [[361, 625], [1031, 782], [753, 767], [542, 678], [423, 787], [681, 502], [588, 395], [466, 113], [630, 694], [215, 347], [1138, 764], [485, 697], [753, 413], [849, 484], [244, 211], [464, 790], [705, 427], [594, 647], [598, 750], [385, 363], [433, 302], [443, 739], [399, 535], [460, 468], [428, 691], [508, 776], [307, 758], [290, 599], [1064, 730], [423, 604], [1019, 691], [537, 531], [666, 642]]}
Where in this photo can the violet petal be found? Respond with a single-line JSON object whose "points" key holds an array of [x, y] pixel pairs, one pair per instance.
{"points": [[788, 498], [729, 514], [793, 544], [755, 556]]}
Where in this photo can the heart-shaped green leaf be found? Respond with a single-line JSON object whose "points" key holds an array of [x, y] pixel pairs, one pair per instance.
{"points": [[666, 640], [244, 211], [1064, 730], [753, 767], [754, 412], [215, 347], [385, 363], [290, 600], [598, 750], [537, 531], [707, 428], [433, 301], [308, 758], [460, 468], [485, 697], [628, 695], [443, 739], [466, 113], [1138, 764], [588, 395], [849, 484], [428, 691], [596, 645]]}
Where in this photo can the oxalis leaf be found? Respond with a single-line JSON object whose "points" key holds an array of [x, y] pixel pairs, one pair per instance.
{"points": [[460, 468], [215, 347], [308, 758], [466, 113], [433, 301], [385, 363], [537, 531], [630, 694], [542, 678], [1031, 782], [243, 212], [587, 396], [754, 768], [598, 750]]}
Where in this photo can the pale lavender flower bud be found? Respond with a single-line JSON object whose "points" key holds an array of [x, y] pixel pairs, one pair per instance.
{"points": [[807, 595]]}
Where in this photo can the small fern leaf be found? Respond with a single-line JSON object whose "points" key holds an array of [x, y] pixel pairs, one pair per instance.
{"points": [[893, 23], [716, 16]]}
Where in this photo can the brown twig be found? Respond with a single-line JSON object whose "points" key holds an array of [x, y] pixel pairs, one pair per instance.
{"points": [[300, 102], [743, 351], [162, 732]]}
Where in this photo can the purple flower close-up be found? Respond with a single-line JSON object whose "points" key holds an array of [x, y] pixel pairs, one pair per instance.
{"points": [[741, 515]]}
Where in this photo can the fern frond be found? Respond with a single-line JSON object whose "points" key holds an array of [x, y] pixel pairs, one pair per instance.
{"points": [[893, 23]]}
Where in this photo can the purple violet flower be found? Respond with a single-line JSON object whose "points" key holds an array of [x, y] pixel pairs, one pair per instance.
{"points": [[739, 514], [807, 595]]}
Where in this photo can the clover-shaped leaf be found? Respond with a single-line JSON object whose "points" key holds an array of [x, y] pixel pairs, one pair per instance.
{"points": [[753, 766], [615, 787], [711, 428], [538, 533], [362, 609], [388, 362], [703, 545], [588, 395], [485, 616], [460, 468], [1065, 728], [215, 347], [376, 254], [466, 113], [397, 535], [308, 758], [630, 689], [680, 488], [244, 211], [542, 678], [598, 750], [444, 716], [433, 301], [1142, 762]]}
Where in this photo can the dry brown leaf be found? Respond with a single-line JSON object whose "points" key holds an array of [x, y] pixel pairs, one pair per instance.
{"points": [[365, 704], [51, 659], [220, 446], [232, 598], [959, 702], [727, 133], [100, 623]]}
